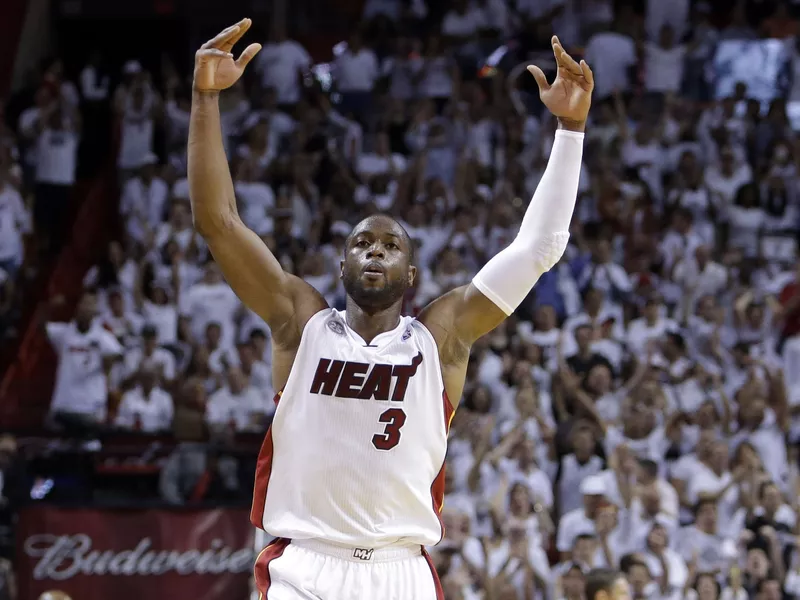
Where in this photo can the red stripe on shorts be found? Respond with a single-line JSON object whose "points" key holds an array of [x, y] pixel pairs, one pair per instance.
{"points": [[436, 581], [261, 568]]}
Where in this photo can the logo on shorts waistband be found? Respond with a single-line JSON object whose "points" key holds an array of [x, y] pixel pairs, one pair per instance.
{"points": [[362, 553]]}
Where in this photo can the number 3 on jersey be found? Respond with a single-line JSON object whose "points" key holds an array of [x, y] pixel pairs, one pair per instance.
{"points": [[394, 418]]}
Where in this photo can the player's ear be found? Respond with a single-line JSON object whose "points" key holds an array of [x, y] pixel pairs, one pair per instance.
{"points": [[412, 275]]}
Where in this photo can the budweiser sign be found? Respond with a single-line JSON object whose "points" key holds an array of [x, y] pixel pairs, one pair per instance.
{"points": [[127, 555], [65, 556]]}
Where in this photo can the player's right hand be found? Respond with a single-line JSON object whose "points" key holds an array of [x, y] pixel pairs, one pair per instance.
{"points": [[214, 67]]}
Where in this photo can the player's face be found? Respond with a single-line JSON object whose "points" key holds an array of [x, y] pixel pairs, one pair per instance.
{"points": [[376, 269]]}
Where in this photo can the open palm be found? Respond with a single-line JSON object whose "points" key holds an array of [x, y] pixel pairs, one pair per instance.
{"points": [[214, 66], [570, 95]]}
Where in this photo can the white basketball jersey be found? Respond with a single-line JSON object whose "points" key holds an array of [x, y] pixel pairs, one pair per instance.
{"points": [[355, 454]]}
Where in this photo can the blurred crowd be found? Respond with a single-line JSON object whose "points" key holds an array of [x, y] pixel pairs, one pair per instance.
{"points": [[640, 411]]}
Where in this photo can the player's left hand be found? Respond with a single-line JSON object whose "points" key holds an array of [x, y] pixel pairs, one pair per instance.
{"points": [[570, 95], [214, 66]]}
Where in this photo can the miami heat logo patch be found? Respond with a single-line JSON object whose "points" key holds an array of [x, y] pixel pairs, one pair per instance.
{"points": [[336, 327], [406, 335]]}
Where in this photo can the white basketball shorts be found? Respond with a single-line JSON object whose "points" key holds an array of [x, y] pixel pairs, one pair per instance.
{"points": [[313, 570]]}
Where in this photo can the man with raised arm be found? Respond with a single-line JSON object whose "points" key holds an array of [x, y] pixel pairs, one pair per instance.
{"points": [[350, 478]]}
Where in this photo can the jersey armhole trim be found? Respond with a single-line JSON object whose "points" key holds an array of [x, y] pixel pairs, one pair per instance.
{"points": [[449, 407], [316, 315]]}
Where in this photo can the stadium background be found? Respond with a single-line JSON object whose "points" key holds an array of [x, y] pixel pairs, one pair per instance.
{"points": [[84, 507]]}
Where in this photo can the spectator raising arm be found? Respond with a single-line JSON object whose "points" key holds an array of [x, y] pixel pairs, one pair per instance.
{"points": [[284, 301]]}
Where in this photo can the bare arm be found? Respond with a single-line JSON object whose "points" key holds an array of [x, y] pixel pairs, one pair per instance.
{"points": [[284, 301]]}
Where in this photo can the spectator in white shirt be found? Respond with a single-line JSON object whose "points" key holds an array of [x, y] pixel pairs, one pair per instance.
{"points": [[147, 407], [674, 14], [610, 524], [159, 311], [401, 69], [144, 199], [280, 124], [650, 327], [54, 78], [462, 21], [381, 161], [663, 63], [438, 75], [14, 223], [94, 83], [150, 356], [86, 353], [237, 405], [356, 71], [137, 108], [178, 228], [701, 541], [745, 220], [603, 273], [665, 563], [612, 56], [56, 160], [681, 239], [29, 126], [640, 578], [124, 324], [257, 371], [259, 149], [725, 179], [581, 520], [711, 478], [281, 64], [582, 555], [254, 198], [764, 427], [699, 275], [220, 358], [497, 17], [211, 300]]}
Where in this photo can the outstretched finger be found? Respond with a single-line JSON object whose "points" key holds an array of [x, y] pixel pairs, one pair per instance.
{"points": [[587, 73], [540, 78], [248, 55], [564, 60], [221, 37], [243, 26]]}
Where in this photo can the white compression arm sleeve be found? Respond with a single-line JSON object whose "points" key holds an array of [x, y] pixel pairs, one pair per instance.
{"points": [[508, 277]]}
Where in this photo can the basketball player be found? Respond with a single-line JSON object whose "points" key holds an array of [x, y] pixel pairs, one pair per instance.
{"points": [[350, 477]]}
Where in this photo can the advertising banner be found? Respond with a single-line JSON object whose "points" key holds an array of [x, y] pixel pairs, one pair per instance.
{"points": [[135, 554]]}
